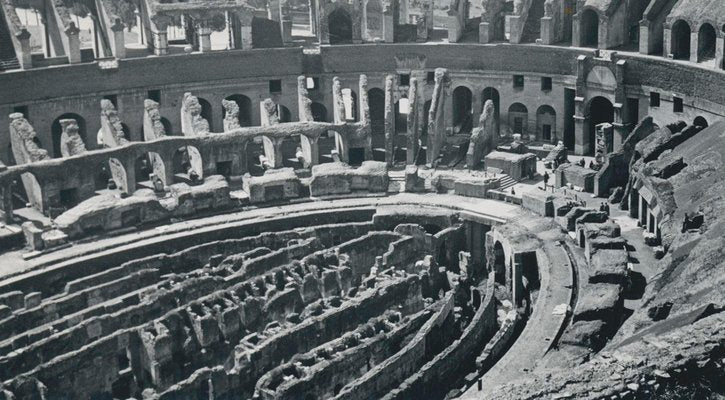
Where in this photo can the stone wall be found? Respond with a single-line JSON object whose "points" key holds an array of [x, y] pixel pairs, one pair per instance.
{"points": [[410, 358], [456, 358]]}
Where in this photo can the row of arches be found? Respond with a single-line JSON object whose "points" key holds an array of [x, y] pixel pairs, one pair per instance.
{"points": [[680, 37], [681, 34], [245, 119]]}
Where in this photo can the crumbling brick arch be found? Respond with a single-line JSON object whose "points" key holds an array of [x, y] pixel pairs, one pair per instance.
{"points": [[207, 112], [56, 131], [245, 109]]}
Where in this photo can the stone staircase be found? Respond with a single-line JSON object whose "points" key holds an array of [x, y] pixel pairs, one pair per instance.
{"points": [[506, 182], [8, 59], [532, 27]]}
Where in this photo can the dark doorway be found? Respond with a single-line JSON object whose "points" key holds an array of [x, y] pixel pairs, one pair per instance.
{"points": [[601, 110], [490, 93], [589, 28], [681, 40], [340, 27], [356, 156]]}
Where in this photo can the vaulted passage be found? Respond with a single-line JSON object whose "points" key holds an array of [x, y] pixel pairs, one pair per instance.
{"points": [[340, 27], [589, 28]]}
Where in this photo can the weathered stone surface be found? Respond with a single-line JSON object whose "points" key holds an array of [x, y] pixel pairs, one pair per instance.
{"points": [[339, 178], [111, 133], [153, 128], [231, 116], [192, 123], [71, 143], [600, 301], [610, 266], [483, 138]]}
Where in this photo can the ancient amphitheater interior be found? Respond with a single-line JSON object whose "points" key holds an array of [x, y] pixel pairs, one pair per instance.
{"points": [[362, 199]]}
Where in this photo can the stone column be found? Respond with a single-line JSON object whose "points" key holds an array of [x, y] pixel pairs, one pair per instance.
{"points": [[720, 52], [6, 201], [576, 39], [357, 21], [118, 41], [159, 37], [603, 33], [581, 127], [516, 26], [74, 43], [694, 45], [285, 22], [388, 24], [313, 16], [645, 37], [413, 134], [204, 33], [25, 57], [667, 41], [484, 32], [246, 31], [389, 119], [548, 34]]}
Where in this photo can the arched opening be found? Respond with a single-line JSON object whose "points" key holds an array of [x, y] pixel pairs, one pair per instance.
{"points": [[339, 25], [376, 101], [681, 40], [245, 109], [518, 118], [206, 112], [601, 110], [499, 263], [546, 123], [252, 151], [119, 175], [167, 127], [319, 112], [589, 28], [490, 93], [374, 20], [57, 130], [187, 164], [349, 101], [142, 168], [706, 39], [402, 108], [700, 121], [284, 114], [462, 118], [126, 131]]}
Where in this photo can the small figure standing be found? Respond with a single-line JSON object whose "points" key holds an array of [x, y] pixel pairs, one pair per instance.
{"points": [[546, 179]]}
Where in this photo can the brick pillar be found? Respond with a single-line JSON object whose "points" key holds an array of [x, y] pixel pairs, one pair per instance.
{"points": [[74, 43], [204, 38], [389, 119], [118, 41], [25, 57], [160, 40]]}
